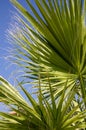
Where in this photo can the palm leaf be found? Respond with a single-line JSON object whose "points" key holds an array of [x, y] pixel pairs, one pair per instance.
{"points": [[52, 40], [34, 117]]}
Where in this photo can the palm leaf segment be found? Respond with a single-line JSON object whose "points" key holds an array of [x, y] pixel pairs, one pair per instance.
{"points": [[42, 114], [54, 44]]}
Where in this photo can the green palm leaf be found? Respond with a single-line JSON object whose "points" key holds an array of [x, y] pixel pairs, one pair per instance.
{"points": [[41, 115], [52, 40]]}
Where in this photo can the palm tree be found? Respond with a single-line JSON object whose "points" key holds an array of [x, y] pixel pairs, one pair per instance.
{"points": [[50, 42], [41, 114]]}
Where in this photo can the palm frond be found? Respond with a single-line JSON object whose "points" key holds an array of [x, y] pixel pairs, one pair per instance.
{"points": [[52, 40], [41, 115]]}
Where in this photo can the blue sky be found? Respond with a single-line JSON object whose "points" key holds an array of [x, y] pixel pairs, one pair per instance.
{"points": [[6, 12], [6, 9]]}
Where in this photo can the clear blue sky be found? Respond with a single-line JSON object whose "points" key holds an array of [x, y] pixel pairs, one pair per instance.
{"points": [[6, 9]]}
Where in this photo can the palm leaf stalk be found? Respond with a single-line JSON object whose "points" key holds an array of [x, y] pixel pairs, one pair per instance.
{"points": [[41, 114], [52, 39]]}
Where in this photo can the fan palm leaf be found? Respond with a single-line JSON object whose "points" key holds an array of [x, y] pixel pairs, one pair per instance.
{"points": [[52, 39], [41, 114]]}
